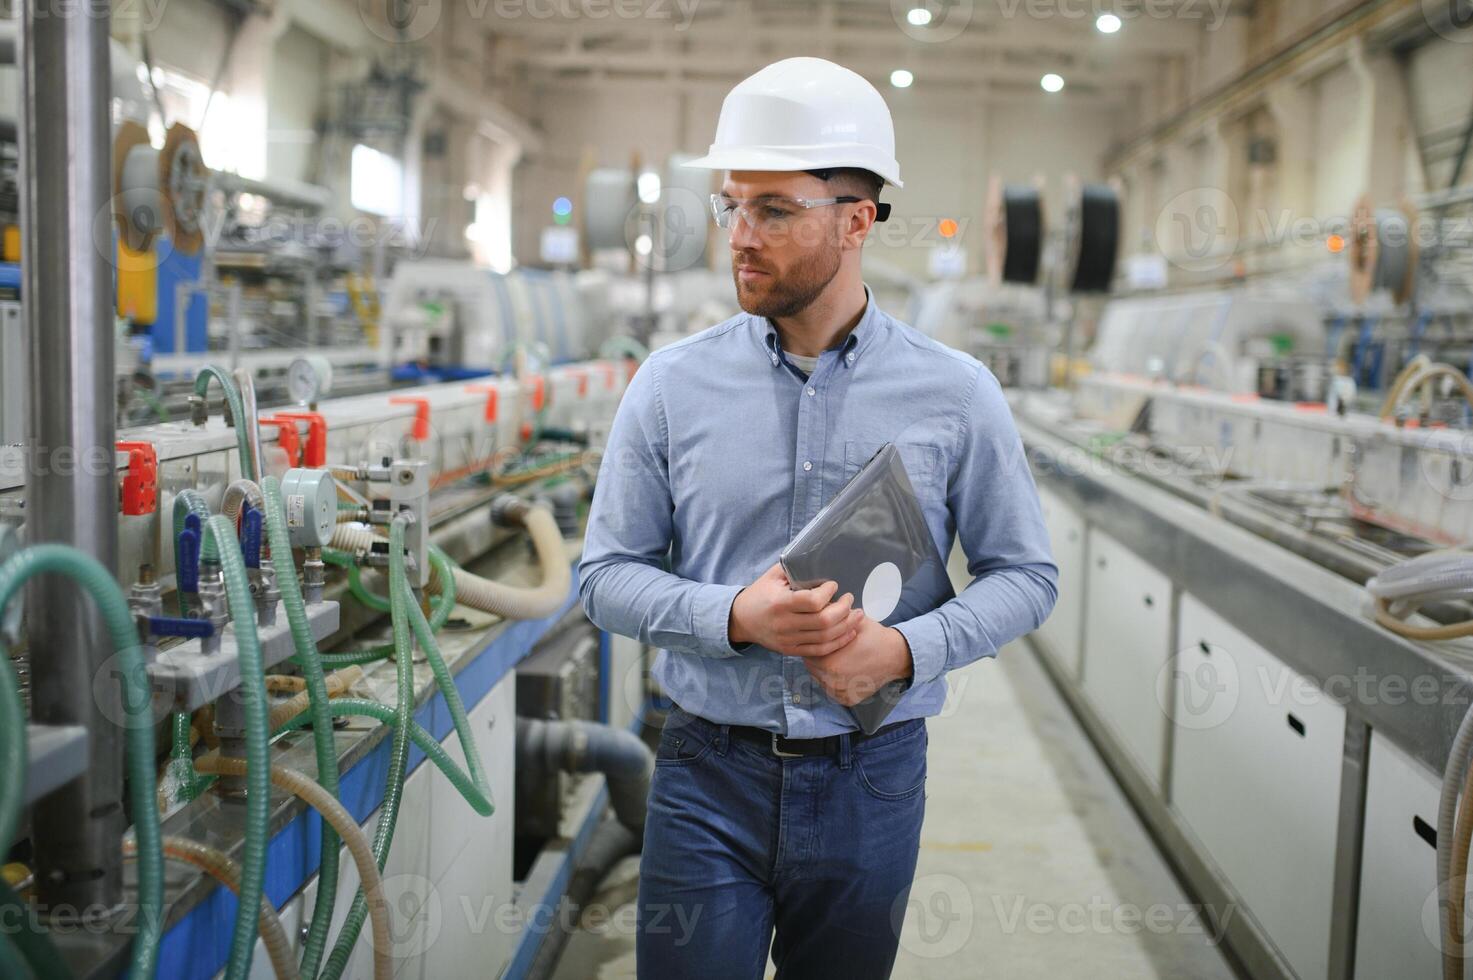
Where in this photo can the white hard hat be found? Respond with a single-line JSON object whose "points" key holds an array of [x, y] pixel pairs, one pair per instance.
{"points": [[804, 114]]}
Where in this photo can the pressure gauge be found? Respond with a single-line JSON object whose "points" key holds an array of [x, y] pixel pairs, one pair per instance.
{"points": [[311, 501], [309, 378]]}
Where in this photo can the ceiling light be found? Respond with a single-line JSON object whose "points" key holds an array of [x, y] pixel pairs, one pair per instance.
{"points": [[918, 17], [1107, 23], [901, 78], [1052, 82]]}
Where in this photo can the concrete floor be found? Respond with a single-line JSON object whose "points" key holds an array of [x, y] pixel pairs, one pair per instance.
{"points": [[1032, 863]]}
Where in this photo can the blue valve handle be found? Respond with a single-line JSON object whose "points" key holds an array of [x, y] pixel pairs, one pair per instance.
{"points": [[188, 570], [174, 626], [250, 537]]}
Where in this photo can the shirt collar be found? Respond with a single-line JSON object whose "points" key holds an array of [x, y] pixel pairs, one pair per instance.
{"points": [[854, 345]]}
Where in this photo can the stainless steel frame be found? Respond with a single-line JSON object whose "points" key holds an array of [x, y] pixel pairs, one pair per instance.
{"points": [[72, 490]]}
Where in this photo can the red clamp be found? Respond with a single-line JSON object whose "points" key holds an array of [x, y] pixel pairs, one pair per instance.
{"points": [[141, 483], [539, 392], [631, 367], [421, 430], [287, 438], [582, 375], [610, 377], [314, 453], [491, 392]]}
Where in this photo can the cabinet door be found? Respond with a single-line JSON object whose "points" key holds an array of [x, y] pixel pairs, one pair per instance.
{"points": [[1255, 775], [1126, 638], [1397, 928], [1066, 537]]}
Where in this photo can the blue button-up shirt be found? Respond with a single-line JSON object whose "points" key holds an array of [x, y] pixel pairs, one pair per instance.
{"points": [[721, 451]]}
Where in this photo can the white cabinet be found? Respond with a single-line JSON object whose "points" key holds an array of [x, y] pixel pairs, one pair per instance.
{"points": [[1066, 537], [1255, 776], [1127, 626], [1396, 932]]}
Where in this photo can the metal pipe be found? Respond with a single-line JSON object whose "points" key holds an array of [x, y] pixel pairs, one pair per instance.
{"points": [[72, 492]]}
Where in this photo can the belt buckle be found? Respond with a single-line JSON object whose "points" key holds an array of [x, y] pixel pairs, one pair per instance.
{"points": [[780, 753]]}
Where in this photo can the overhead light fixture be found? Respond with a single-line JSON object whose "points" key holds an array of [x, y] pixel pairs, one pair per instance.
{"points": [[1107, 23], [918, 17], [648, 186], [1052, 82], [901, 78]]}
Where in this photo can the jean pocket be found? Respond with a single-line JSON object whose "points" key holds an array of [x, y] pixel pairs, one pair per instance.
{"points": [[895, 770], [682, 746]]}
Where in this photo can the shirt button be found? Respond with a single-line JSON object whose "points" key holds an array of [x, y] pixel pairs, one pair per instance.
{"points": [[849, 357], [797, 698], [810, 391], [807, 466]]}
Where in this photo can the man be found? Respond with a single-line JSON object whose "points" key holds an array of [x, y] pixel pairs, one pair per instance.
{"points": [[769, 811]]}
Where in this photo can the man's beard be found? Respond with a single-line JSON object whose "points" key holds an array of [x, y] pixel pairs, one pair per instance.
{"points": [[790, 293]]}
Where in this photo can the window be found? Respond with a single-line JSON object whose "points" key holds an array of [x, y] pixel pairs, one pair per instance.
{"points": [[377, 182]]}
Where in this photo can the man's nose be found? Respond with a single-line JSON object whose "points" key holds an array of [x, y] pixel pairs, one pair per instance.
{"points": [[743, 235]]}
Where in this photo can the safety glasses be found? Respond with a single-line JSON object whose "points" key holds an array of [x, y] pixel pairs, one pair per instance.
{"points": [[769, 215]]}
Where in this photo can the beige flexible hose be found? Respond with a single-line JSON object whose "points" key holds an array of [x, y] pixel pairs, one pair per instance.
{"points": [[307, 789], [1411, 386], [1393, 394], [1462, 833], [220, 867], [337, 682], [507, 601], [1452, 631], [237, 494]]}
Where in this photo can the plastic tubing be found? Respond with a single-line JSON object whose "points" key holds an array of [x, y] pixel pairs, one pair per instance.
{"points": [[304, 787], [302, 703], [310, 663], [137, 704], [181, 756], [237, 412], [38, 955], [258, 779], [239, 493], [480, 593], [399, 753], [441, 606], [1447, 806], [219, 866]]}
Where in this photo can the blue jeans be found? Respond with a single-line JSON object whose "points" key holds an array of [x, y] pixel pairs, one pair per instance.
{"points": [[740, 843]]}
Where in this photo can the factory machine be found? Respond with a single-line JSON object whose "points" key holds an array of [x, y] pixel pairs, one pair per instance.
{"points": [[1263, 613], [294, 686]]}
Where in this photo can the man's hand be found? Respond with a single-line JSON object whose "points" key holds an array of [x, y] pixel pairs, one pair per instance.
{"points": [[876, 656], [802, 623]]}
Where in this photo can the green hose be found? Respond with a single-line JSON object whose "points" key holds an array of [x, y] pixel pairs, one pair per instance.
{"points": [[399, 754], [478, 796], [322, 735], [181, 753], [258, 747], [441, 605], [137, 705], [451, 693], [237, 413], [41, 957]]}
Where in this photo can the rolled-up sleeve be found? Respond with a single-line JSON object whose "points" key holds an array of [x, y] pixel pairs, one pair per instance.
{"points": [[623, 578], [1000, 527]]}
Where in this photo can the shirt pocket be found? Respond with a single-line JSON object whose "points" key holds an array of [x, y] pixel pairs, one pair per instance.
{"points": [[925, 465]]}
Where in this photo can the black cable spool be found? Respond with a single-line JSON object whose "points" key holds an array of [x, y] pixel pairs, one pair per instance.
{"points": [[1015, 225], [1097, 237]]}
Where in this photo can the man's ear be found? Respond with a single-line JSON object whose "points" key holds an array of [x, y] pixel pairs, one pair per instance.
{"points": [[859, 223]]}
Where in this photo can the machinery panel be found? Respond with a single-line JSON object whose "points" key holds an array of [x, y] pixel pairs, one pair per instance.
{"points": [[1127, 621], [1248, 728], [1066, 531], [1397, 932]]}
